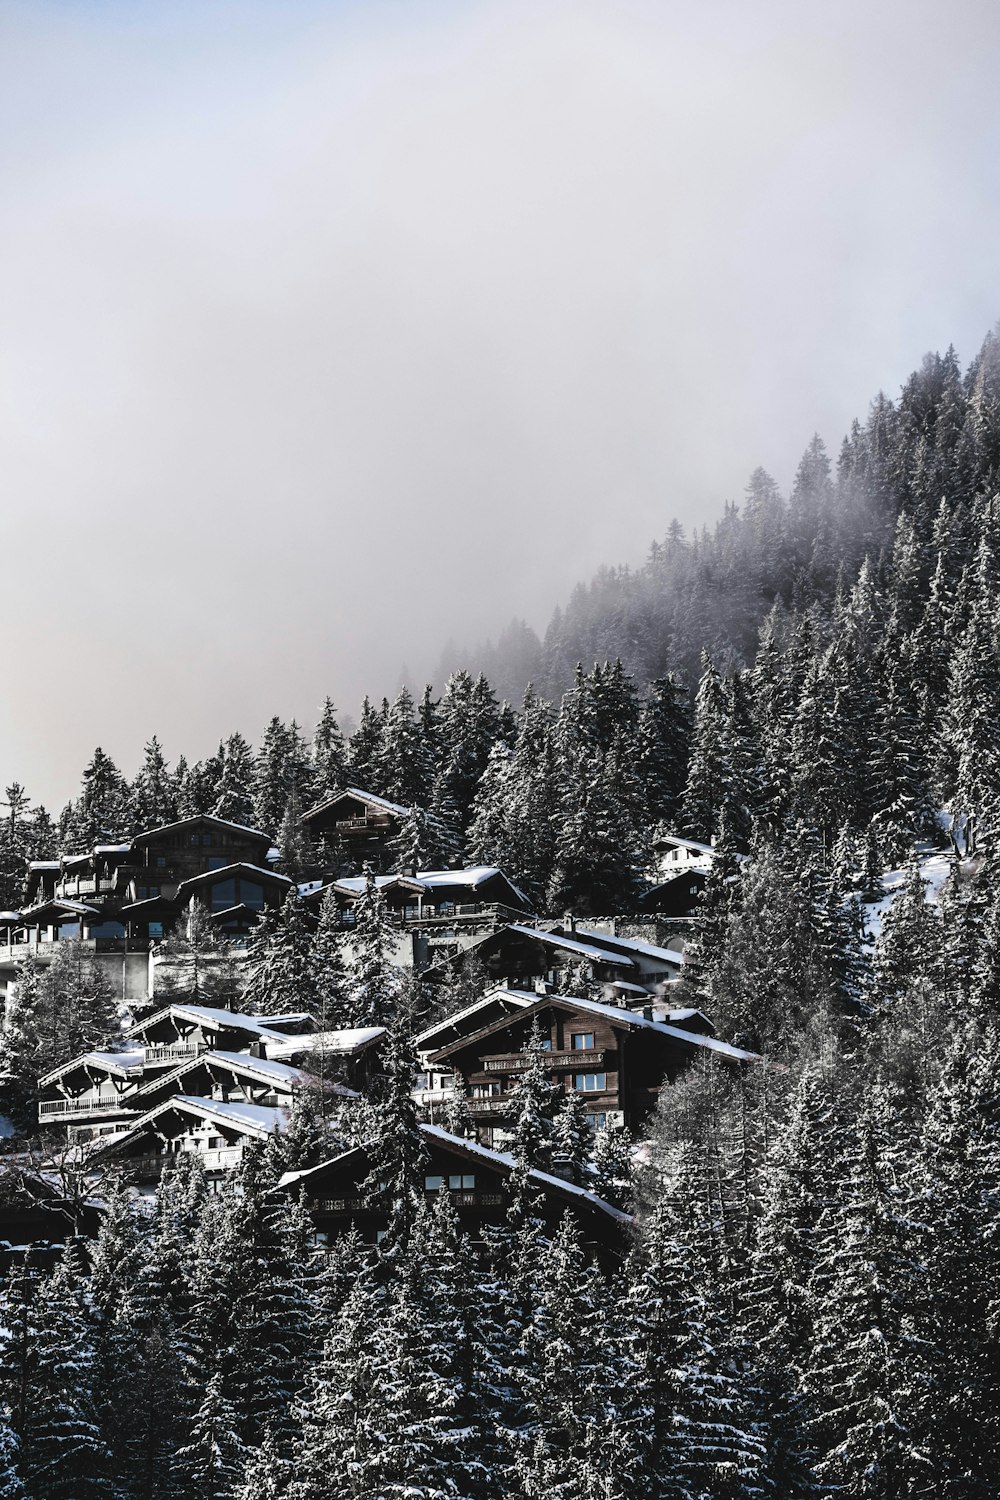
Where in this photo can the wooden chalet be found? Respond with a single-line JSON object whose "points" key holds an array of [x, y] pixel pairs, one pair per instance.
{"points": [[522, 957], [677, 896], [121, 899], [96, 1088], [476, 1179], [432, 897], [616, 1059], [38, 1215], [209, 1053], [357, 823], [216, 1130], [435, 1085]]}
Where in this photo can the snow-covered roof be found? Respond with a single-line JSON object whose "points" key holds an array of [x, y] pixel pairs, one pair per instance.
{"points": [[112, 848], [10, 916], [44, 864], [119, 1063], [674, 840], [500, 1161], [238, 1062], [356, 885], [572, 945], [362, 796], [648, 950], [209, 877], [346, 1040], [211, 1016], [73, 908], [258, 1120], [150, 833], [518, 998], [621, 1017]]}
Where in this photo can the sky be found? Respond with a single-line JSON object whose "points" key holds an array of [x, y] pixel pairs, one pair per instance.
{"points": [[331, 332]]}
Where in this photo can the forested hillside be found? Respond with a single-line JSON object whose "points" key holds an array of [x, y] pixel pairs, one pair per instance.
{"points": [[808, 1302]]}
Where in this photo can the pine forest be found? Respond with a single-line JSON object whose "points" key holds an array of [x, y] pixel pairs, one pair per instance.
{"points": [[795, 1294]]}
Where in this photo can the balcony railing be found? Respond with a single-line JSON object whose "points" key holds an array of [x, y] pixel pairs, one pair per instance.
{"points": [[152, 1164], [516, 1062], [174, 1052], [488, 1106], [53, 1108]]}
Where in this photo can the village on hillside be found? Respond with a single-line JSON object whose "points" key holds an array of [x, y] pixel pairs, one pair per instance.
{"points": [[197, 940]]}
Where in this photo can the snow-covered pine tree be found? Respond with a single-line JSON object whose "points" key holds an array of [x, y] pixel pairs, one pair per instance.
{"points": [[375, 977], [279, 971]]}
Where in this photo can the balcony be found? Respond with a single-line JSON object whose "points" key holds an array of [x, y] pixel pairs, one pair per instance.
{"points": [[515, 1062], [174, 1053], [80, 1109], [499, 1106], [148, 1167]]}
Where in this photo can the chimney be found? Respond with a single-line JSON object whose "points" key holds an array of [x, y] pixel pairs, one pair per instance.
{"points": [[569, 921]]}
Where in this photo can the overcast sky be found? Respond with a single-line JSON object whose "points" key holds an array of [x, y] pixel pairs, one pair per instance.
{"points": [[331, 331]]}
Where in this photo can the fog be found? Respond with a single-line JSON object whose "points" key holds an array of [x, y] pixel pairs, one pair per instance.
{"points": [[330, 332]]}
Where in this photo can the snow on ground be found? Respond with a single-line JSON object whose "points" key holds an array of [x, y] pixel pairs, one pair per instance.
{"points": [[933, 867]]}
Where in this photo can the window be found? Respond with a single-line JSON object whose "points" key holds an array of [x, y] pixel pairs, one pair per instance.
{"points": [[223, 895], [597, 1122], [161, 861], [194, 838], [433, 1184], [460, 1182], [590, 1083], [206, 840], [252, 895], [214, 1142], [216, 862], [546, 1044], [487, 1090], [582, 1041]]}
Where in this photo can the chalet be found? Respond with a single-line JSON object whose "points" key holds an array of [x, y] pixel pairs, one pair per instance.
{"points": [[358, 825], [616, 1059], [675, 897], [121, 899], [430, 899], [675, 855], [435, 1085], [198, 1051], [476, 1179], [96, 1088], [39, 1213], [521, 957], [216, 1130]]}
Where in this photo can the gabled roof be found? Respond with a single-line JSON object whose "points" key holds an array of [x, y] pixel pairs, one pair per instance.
{"points": [[674, 840], [255, 1120], [627, 1020], [222, 823], [121, 1064], [57, 906], [381, 804], [571, 945], [240, 1063], [634, 945], [241, 867], [212, 1016], [346, 1041], [500, 1161], [510, 1000], [356, 885]]}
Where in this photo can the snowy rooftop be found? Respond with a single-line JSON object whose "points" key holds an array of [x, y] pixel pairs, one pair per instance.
{"points": [[150, 833], [516, 997], [211, 1016], [347, 1040], [110, 1062], [648, 950], [628, 1018], [674, 841], [499, 1160], [572, 945]]}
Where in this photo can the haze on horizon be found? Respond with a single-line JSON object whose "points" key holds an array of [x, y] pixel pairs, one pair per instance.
{"points": [[334, 331]]}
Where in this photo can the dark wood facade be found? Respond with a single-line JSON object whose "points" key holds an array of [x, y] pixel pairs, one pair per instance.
{"points": [[476, 1179], [617, 1060], [357, 827]]}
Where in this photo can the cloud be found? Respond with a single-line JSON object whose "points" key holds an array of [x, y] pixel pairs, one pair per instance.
{"points": [[333, 331]]}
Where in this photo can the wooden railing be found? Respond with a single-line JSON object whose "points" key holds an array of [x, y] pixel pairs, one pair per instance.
{"points": [[515, 1062], [53, 1107], [174, 1052]]}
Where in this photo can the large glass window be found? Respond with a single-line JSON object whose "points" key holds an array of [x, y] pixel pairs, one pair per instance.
{"points": [[582, 1041], [590, 1083], [107, 930], [252, 895], [433, 1184], [223, 895], [462, 1182], [68, 930]]}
